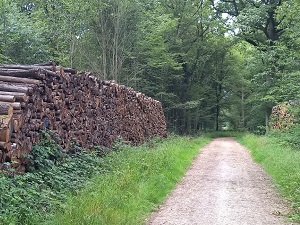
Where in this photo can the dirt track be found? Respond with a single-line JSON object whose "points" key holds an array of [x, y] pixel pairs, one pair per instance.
{"points": [[223, 186]]}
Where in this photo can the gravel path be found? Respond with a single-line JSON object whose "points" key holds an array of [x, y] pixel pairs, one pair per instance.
{"points": [[223, 186]]}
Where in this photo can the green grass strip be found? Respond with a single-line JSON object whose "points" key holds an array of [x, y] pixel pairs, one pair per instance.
{"points": [[281, 161], [138, 180]]}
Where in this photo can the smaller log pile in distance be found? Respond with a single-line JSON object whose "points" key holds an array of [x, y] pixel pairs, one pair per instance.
{"points": [[281, 118], [79, 107]]}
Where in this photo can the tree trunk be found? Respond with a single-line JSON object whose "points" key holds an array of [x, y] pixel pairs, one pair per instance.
{"points": [[217, 116], [267, 121], [243, 110]]}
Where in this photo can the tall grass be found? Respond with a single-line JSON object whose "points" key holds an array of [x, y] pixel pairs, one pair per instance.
{"points": [[281, 161], [138, 180]]}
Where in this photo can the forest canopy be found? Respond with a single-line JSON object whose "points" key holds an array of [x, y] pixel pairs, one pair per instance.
{"points": [[213, 64]]}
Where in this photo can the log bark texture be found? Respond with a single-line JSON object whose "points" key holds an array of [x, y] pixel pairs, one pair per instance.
{"points": [[281, 116], [80, 108]]}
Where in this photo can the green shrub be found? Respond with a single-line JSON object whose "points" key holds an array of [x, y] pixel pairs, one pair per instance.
{"points": [[289, 136], [137, 180], [218, 134], [53, 174], [128, 183]]}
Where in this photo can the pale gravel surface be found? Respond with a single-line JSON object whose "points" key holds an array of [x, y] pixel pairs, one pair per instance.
{"points": [[223, 186]]}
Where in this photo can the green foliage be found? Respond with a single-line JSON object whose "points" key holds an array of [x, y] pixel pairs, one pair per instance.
{"points": [[229, 133], [289, 137], [137, 180], [55, 181], [281, 161], [21, 41], [209, 71], [46, 154], [29, 198]]}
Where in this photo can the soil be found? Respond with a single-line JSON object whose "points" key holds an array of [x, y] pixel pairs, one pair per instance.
{"points": [[223, 186]]}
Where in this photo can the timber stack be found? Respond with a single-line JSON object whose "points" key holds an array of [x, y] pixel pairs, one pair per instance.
{"points": [[80, 108], [280, 117]]}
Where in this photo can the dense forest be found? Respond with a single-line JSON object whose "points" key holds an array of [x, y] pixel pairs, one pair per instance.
{"points": [[214, 64]]}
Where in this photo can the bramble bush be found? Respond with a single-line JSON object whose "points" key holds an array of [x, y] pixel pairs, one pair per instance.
{"points": [[51, 177]]}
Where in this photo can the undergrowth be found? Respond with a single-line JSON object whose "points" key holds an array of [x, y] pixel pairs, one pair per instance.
{"points": [[288, 136], [281, 161], [53, 175], [137, 180], [82, 188], [229, 133]]}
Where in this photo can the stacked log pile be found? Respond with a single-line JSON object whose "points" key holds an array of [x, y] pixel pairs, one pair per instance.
{"points": [[80, 108], [281, 118]]}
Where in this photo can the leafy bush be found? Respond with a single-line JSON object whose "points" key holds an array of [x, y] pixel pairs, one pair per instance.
{"points": [[219, 134], [46, 154], [138, 179], [53, 174], [289, 136]]}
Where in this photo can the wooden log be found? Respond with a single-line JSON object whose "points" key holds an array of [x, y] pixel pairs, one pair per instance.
{"points": [[7, 87], [7, 98], [15, 105], [5, 128], [50, 73], [18, 121], [60, 70], [5, 146], [32, 73], [6, 109], [5, 121], [19, 80], [20, 97], [70, 70], [27, 67], [19, 112]]}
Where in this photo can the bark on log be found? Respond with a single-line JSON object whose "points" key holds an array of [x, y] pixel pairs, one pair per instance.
{"points": [[7, 98], [5, 128], [19, 80], [5, 145], [50, 73], [14, 88], [6, 109], [20, 97], [70, 70], [26, 67], [15, 105], [32, 73]]}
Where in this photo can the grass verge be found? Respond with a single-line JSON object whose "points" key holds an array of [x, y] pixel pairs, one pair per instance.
{"points": [[138, 180], [281, 161]]}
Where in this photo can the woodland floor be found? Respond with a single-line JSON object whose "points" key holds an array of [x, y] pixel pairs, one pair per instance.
{"points": [[223, 186]]}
